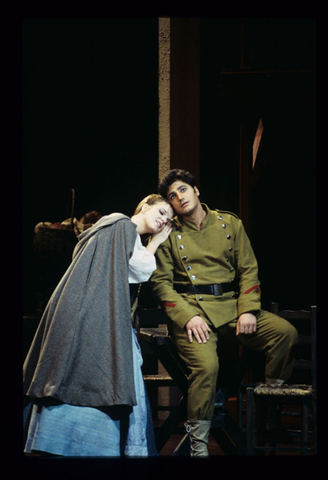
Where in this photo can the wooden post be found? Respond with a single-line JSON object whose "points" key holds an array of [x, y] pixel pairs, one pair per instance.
{"points": [[164, 111], [179, 95]]}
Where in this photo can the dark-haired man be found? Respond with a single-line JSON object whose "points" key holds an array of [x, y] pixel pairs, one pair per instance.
{"points": [[207, 282]]}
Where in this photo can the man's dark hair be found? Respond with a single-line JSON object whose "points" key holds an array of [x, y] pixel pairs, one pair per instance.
{"points": [[171, 177]]}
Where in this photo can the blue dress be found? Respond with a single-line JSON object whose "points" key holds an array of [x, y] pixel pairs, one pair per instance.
{"points": [[69, 430]]}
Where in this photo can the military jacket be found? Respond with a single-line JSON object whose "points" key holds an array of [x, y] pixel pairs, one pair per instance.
{"points": [[219, 253]]}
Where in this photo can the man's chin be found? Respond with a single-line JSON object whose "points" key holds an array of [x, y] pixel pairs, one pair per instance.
{"points": [[184, 211]]}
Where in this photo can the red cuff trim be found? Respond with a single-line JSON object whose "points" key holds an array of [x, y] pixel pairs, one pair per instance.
{"points": [[256, 287], [168, 304]]}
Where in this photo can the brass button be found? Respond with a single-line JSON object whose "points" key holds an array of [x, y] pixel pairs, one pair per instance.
{"points": [[224, 226], [200, 298], [228, 237], [189, 267], [193, 277], [181, 247], [184, 258], [179, 237]]}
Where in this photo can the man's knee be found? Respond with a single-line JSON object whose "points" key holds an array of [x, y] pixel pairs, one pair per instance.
{"points": [[278, 329], [288, 332], [200, 359]]}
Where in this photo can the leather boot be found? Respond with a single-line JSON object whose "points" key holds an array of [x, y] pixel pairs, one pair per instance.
{"points": [[198, 431]]}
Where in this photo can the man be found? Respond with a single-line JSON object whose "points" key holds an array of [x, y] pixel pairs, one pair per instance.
{"points": [[206, 281]]}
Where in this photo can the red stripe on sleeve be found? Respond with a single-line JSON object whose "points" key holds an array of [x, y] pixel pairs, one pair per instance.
{"points": [[168, 304], [256, 287]]}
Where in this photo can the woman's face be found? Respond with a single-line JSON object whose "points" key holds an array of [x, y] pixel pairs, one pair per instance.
{"points": [[156, 216]]}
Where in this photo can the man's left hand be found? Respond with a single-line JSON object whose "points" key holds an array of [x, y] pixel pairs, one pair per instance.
{"points": [[246, 323]]}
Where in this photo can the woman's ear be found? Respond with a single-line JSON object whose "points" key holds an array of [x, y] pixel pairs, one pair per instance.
{"points": [[145, 207]]}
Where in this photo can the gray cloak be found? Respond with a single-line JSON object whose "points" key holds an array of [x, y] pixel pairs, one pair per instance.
{"points": [[82, 351]]}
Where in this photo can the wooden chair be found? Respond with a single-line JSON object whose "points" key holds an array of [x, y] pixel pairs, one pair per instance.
{"points": [[224, 429], [152, 333], [300, 393]]}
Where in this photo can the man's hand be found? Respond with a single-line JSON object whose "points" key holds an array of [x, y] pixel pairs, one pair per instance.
{"points": [[246, 323], [198, 328]]}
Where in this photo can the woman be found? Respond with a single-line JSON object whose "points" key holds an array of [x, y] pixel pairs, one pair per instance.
{"points": [[83, 368]]}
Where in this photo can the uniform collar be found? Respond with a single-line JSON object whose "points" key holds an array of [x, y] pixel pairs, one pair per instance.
{"points": [[182, 222]]}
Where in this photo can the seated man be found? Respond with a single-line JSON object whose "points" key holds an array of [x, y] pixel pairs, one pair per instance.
{"points": [[206, 281]]}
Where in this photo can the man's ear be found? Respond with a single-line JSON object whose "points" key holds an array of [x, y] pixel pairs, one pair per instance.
{"points": [[196, 191]]}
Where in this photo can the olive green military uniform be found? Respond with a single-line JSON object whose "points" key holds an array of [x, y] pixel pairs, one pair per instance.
{"points": [[220, 253]]}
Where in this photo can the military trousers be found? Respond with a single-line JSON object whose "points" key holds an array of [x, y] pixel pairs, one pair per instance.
{"points": [[274, 337]]}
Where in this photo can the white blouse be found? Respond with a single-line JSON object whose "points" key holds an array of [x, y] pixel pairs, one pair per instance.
{"points": [[141, 264]]}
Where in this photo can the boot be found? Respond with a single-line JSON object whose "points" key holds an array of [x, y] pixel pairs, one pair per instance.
{"points": [[198, 431]]}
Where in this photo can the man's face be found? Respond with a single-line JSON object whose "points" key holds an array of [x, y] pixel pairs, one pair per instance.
{"points": [[183, 198]]}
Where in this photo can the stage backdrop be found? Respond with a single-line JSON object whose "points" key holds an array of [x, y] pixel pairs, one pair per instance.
{"points": [[90, 122]]}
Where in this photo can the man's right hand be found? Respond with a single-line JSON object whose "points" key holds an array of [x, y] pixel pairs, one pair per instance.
{"points": [[198, 328]]}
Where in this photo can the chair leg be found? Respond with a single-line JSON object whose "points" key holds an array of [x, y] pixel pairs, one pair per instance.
{"points": [[314, 419], [304, 428], [240, 408], [250, 421], [261, 419]]}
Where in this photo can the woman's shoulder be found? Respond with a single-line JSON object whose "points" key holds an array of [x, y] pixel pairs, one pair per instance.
{"points": [[112, 218]]}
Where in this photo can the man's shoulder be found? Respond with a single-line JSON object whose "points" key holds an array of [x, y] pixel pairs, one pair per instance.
{"points": [[225, 213]]}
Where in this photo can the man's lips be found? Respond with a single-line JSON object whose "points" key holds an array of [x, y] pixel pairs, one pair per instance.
{"points": [[184, 204]]}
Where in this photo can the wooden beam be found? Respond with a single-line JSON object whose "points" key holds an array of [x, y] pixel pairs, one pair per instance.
{"points": [[179, 95]]}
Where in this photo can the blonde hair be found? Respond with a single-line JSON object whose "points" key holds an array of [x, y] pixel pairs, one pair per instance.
{"points": [[151, 199]]}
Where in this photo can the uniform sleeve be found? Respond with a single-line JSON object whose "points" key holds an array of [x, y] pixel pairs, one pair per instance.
{"points": [[161, 281], [141, 264], [249, 299]]}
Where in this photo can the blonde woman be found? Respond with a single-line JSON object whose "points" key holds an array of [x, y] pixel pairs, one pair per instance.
{"points": [[83, 369]]}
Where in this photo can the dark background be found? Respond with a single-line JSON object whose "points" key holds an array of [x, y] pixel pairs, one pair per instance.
{"points": [[278, 59], [90, 122]]}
